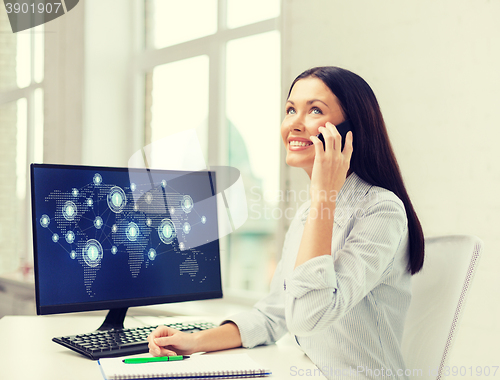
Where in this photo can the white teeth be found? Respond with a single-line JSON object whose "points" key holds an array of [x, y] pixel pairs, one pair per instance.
{"points": [[300, 143]]}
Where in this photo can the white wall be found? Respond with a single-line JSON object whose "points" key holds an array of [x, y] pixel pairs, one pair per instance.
{"points": [[88, 87], [434, 66], [63, 88], [107, 118]]}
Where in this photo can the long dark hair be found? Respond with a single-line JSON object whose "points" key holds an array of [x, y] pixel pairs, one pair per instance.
{"points": [[372, 159]]}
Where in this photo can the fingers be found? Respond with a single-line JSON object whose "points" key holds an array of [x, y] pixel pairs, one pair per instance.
{"points": [[333, 139], [159, 340], [348, 145], [328, 137], [156, 350], [318, 145], [165, 341], [166, 352], [159, 350], [160, 332]]}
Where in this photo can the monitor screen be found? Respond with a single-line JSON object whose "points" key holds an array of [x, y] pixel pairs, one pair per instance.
{"points": [[108, 238]]}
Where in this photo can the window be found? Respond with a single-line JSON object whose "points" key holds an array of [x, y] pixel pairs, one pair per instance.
{"points": [[253, 120], [217, 70], [21, 128]]}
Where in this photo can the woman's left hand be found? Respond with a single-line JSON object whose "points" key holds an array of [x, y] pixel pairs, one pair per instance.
{"points": [[331, 164]]}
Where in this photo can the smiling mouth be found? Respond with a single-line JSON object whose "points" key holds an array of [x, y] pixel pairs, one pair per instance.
{"points": [[300, 143]]}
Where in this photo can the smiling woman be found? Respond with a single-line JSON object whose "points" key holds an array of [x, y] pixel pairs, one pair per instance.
{"points": [[309, 106], [343, 285]]}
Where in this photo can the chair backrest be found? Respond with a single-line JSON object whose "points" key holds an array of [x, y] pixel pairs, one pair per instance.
{"points": [[439, 292]]}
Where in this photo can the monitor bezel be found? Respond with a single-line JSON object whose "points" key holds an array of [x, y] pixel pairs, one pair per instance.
{"points": [[111, 304]]}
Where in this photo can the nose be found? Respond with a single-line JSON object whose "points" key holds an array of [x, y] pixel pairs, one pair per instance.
{"points": [[297, 124]]}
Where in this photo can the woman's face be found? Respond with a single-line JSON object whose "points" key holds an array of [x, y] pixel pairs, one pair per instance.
{"points": [[310, 105]]}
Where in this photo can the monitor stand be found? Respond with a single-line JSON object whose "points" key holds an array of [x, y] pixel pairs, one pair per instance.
{"points": [[114, 319]]}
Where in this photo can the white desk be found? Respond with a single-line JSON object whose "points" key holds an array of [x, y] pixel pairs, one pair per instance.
{"points": [[27, 350]]}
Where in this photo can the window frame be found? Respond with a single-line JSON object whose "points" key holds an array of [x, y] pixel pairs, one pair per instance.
{"points": [[23, 251], [214, 46]]}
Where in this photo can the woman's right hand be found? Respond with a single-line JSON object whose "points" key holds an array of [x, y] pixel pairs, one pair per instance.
{"points": [[166, 341]]}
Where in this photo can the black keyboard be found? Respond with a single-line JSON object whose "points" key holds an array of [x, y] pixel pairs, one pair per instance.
{"points": [[109, 343]]}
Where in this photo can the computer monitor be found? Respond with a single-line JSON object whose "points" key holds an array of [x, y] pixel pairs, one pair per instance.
{"points": [[113, 238]]}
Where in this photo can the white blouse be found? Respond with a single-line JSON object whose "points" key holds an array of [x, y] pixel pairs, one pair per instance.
{"points": [[347, 310]]}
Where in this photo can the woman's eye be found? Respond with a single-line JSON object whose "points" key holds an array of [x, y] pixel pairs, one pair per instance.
{"points": [[290, 111], [316, 111]]}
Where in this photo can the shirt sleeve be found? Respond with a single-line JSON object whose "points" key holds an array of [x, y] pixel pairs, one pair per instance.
{"points": [[322, 290], [265, 323]]}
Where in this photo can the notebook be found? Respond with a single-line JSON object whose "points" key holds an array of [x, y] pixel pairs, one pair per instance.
{"points": [[234, 366]]}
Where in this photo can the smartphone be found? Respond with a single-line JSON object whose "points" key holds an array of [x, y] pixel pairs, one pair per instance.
{"points": [[343, 128]]}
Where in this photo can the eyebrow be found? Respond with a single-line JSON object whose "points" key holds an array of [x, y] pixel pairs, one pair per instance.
{"points": [[309, 102]]}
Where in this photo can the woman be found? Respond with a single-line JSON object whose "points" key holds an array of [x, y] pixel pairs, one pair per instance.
{"points": [[343, 285]]}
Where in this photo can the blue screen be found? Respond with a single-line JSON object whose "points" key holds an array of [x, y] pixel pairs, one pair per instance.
{"points": [[132, 236]]}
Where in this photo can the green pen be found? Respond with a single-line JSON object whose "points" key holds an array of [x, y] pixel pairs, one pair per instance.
{"points": [[155, 359]]}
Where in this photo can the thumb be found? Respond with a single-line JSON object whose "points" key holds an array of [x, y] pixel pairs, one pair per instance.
{"points": [[163, 341]]}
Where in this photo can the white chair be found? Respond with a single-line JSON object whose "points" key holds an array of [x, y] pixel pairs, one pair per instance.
{"points": [[439, 292]]}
